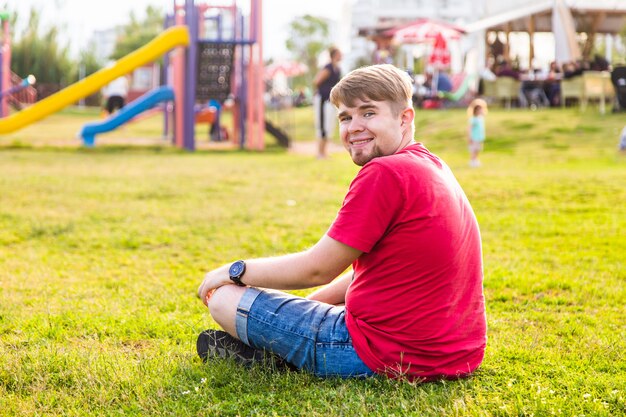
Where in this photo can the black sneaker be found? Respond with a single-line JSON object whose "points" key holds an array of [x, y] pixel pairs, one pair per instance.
{"points": [[219, 344]]}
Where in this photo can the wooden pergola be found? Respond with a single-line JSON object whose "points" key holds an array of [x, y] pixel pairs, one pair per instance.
{"points": [[590, 17]]}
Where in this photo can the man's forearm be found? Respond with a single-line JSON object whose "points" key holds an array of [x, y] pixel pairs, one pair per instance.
{"points": [[317, 266], [287, 272], [335, 292]]}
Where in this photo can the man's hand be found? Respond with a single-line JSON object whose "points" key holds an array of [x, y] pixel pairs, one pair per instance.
{"points": [[212, 281]]}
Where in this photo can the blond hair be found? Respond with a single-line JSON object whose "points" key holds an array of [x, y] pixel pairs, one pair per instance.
{"points": [[376, 83]]}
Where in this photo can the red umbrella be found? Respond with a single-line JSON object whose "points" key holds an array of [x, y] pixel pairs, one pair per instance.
{"points": [[425, 30], [439, 55], [287, 68]]}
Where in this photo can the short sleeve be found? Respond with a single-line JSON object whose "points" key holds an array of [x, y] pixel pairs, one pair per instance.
{"points": [[373, 201]]}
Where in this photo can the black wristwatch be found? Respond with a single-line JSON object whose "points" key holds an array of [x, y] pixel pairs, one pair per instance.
{"points": [[236, 271]]}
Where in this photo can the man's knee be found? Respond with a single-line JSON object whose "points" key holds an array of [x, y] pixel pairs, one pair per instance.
{"points": [[224, 301]]}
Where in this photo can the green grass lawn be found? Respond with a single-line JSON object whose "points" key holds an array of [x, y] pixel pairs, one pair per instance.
{"points": [[62, 129], [102, 250]]}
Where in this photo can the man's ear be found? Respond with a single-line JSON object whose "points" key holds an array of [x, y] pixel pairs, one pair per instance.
{"points": [[407, 116]]}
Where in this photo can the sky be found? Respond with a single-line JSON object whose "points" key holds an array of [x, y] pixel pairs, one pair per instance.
{"points": [[79, 18]]}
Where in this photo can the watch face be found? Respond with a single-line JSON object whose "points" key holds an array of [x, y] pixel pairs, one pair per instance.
{"points": [[236, 269]]}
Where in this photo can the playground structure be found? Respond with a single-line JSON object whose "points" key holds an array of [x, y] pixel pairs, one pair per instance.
{"points": [[221, 63], [169, 39], [13, 88], [224, 64]]}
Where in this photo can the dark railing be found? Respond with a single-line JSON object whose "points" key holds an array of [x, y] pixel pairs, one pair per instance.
{"points": [[25, 96]]}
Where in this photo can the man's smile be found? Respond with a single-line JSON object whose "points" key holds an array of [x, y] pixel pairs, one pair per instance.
{"points": [[357, 142]]}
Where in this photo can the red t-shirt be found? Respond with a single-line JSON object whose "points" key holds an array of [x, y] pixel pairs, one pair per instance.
{"points": [[416, 304]]}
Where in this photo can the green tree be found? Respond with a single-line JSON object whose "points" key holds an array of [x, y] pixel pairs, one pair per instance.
{"points": [[137, 33], [42, 54], [309, 37], [88, 63]]}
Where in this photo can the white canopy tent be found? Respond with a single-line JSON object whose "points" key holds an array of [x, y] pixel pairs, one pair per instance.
{"points": [[566, 48], [565, 19]]}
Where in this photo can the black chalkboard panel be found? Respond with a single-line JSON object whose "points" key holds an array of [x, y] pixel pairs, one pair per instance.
{"points": [[215, 65]]}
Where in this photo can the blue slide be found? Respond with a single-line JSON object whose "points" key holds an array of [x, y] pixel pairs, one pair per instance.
{"points": [[146, 102]]}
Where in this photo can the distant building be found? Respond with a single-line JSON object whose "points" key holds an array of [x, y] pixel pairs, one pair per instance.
{"points": [[102, 43]]}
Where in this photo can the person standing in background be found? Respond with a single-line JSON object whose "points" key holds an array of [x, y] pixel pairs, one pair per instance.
{"points": [[325, 116], [115, 94], [476, 129], [622, 141]]}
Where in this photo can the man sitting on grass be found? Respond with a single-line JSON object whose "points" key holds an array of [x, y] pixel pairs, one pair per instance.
{"points": [[412, 306]]}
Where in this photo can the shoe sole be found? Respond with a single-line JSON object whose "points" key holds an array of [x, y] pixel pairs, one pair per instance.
{"points": [[208, 347], [213, 345]]}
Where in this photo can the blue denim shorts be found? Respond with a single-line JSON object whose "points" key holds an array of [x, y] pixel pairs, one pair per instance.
{"points": [[308, 334]]}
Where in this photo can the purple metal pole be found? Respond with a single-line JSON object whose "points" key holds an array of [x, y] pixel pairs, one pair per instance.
{"points": [[2, 86], [191, 18], [166, 79], [220, 27], [243, 87], [5, 64]]}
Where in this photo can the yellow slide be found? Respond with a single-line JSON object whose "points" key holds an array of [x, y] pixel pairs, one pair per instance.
{"points": [[171, 38]]}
